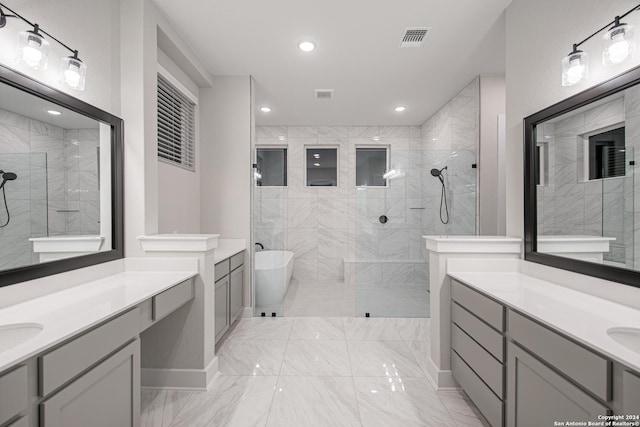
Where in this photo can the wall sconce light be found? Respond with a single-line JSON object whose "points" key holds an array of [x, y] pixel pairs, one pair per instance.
{"points": [[619, 45], [33, 50]]}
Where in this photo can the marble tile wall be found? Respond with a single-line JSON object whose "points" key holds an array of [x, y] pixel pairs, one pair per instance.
{"points": [[568, 204], [324, 226], [56, 190]]}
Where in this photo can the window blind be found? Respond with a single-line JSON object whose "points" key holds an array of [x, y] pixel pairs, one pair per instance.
{"points": [[176, 126]]}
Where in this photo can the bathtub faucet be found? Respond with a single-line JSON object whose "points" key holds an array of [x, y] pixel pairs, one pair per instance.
{"points": [[261, 245]]}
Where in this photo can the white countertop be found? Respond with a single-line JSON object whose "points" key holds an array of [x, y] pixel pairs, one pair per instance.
{"points": [[581, 316], [227, 248], [71, 311]]}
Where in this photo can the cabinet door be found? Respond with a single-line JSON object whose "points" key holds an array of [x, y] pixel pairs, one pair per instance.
{"points": [[538, 396], [236, 288], [107, 395], [222, 307], [631, 393]]}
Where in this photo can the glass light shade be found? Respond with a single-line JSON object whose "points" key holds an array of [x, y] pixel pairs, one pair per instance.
{"points": [[619, 44], [73, 73], [575, 68], [32, 49]]}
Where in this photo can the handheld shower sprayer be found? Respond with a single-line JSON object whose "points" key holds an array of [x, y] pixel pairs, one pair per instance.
{"points": [[6, 176], [443, 196]]}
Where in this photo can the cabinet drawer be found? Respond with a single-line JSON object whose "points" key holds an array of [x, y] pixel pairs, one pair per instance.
{"points": [[67, 361], [169, 300], [220, 270], [482, 362], [484, 308], [236, 261], [488, 403], [487, 337], [13, 393], [590, 370]]}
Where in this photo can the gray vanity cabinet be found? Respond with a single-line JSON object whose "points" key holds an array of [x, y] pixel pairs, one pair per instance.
{"points": [[229, 276], [539, 396], [631, 393], [236, 294], [477, 343], [14, 397], [222, 307], [105, 396]]}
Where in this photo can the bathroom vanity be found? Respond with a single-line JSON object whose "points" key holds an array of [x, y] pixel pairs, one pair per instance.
{"points": [[229, 282], [73, 357], [530, 353]]}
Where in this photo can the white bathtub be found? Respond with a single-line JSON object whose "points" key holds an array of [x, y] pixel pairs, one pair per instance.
{"points": [[273, 271]]}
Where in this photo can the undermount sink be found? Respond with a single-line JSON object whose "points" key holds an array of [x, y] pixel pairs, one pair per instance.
{"points": [[17, 333], [628, 337]]}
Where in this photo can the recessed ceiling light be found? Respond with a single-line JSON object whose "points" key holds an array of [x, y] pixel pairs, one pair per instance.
{"points": [[316, 164], [265, 109], [54, 112], [306, 46], [400, 108]]}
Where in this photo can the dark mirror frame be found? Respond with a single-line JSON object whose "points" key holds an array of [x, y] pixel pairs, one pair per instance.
{"points": [[602, 90], [21, 274]]}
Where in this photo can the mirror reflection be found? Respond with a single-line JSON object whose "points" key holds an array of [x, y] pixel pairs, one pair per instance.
{"points": [[54, 181], [585, 182]]}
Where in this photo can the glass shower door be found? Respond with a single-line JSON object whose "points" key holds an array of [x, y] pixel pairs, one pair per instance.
{"points": [[272, 264]]}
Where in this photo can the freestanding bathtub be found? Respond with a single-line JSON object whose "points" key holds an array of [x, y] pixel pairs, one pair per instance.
{"points": [[273, 271]]}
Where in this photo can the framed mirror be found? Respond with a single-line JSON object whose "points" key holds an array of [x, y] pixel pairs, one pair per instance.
{"points": [[582, 185], [61, 181]]}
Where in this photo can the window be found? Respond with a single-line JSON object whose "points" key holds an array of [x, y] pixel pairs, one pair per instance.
{"points": [[371, 166], [606, 154], [176, 125], [322, 167], [272, 167]]}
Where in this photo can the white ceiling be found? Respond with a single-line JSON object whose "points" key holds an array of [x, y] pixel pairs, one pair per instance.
{"points": [[357, 53]]}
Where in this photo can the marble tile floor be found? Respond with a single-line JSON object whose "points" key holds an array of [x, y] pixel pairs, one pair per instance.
{"points": [[317, 371], [327, 298]]}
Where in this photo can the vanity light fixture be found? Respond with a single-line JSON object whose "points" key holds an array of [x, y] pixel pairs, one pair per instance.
{"points": [[33, 50], [400, 108], [265, 109], [619, 45]]}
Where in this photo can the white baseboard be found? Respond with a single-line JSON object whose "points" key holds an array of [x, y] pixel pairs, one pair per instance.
{"points": [[180, 379], [441, 380], [247, 312]]}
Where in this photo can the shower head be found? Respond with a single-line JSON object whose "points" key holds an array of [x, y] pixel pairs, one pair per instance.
{"points": [[7, 176], [437, 172]]}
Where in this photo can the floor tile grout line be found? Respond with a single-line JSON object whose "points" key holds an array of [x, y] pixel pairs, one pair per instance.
{"points": [[273, 398]]}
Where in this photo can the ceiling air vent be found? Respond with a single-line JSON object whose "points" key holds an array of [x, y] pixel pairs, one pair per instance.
{"points": [[324, 93], [414, 36]]}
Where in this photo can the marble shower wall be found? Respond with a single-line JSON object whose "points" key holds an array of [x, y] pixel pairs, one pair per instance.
{"points": [[323, 226], [569, 205], [56, 186]]}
